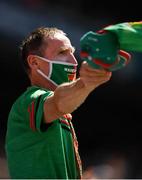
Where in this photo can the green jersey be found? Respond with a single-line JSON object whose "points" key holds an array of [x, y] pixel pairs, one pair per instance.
{"points": [[38, 150]]}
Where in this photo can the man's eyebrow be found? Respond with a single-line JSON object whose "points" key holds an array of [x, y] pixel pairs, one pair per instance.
{"points": [[72, 48]]}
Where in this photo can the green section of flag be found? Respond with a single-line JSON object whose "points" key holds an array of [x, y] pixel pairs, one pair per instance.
{"points": [[129, 35]]}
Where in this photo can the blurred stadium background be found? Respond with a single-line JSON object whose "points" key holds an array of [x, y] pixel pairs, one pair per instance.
{"points": [[108, 124]]}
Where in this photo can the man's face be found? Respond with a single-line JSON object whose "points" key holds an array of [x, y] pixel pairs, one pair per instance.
{"points": [[59, 48]]}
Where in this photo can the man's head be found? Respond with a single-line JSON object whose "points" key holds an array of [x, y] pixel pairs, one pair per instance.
{"points": [[49, 43]]}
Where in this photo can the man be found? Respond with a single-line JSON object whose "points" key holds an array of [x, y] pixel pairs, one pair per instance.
{"points": [[41, 141]]}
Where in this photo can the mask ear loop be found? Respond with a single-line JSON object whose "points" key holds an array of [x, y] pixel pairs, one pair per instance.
{"points": [[50, 65], [46, 77], [50, 70]]}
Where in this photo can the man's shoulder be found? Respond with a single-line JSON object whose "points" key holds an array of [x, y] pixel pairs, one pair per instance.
{"points": [[35, 91], [31, 93]]}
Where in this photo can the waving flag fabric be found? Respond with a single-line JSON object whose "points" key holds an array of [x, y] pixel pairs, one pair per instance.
{"points": [[129, 35]]}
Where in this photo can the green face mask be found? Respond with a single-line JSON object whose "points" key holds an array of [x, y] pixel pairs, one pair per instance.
{"points": [[59, 72]]}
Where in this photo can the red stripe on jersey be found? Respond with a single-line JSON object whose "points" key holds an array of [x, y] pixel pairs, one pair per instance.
{"points": [[32, 119]]}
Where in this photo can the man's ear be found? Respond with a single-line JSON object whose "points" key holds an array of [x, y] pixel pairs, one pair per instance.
{"points": [[33, 62]]}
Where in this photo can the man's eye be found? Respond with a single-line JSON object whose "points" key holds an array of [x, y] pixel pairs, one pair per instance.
{"points": [[72, 50], [61, 52]]}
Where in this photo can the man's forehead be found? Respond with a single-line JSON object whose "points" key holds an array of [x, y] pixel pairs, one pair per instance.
{"points": [[60, 39], [64, 39]]}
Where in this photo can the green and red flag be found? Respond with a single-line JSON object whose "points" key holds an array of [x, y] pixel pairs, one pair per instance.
{"points": [[107, 47], [129, 35]]}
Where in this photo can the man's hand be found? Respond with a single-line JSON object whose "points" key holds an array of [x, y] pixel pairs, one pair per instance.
{"points": [[93, 78]]}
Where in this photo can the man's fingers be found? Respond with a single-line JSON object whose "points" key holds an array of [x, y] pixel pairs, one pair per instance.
{"points": [[89, 71]]}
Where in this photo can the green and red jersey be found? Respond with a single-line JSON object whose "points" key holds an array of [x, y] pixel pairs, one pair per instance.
{"points": [[38, 150]]}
